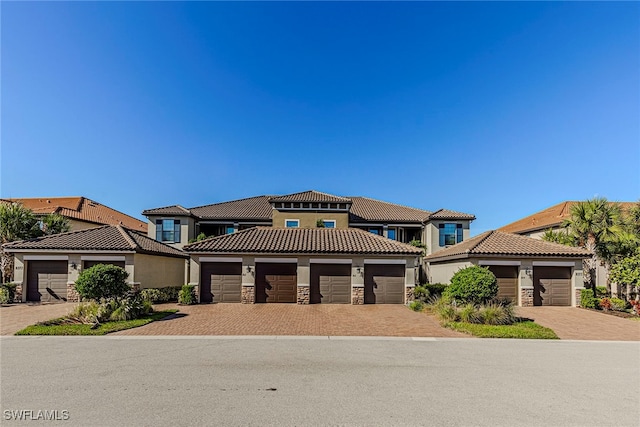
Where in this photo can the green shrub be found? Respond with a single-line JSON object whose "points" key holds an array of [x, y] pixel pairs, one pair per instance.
{"points": [[473, 284], [4, 296], [587, 299], [160, 295], [131, 307], [150, 294], [91, 312], [187, 295], [469, 313], [102, 281], [416, 305], [421, 293], [11, 290], [601, 291], [435, 289], [618, 304]]}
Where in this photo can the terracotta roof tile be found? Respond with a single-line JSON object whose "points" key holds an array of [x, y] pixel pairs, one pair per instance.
{"points": [[105, 238], [507, 244], [449, 214], [82, 209], [168, 210], [302, 241], [310, 196], [547, 218], [366, 209], [255, 208]]}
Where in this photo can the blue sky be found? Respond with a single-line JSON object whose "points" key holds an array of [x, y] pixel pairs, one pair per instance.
{"points": [[498, 109]]}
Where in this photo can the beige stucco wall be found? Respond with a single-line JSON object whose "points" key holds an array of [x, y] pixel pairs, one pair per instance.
{"points": [[77, 225], [309, 219], [431, 234], [187, 229], [442, 272], [152, 271]]}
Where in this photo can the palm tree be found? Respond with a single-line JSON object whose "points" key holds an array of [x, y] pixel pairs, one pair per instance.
{"points": [[595, 224], [55, 223]]}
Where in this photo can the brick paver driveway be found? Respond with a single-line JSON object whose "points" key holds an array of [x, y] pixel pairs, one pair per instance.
{"points": [[293, 319], [19, 316], [580, 324]]}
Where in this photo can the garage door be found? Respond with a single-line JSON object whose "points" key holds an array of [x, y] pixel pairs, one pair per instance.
{"points": [[47, 281], [276, 282], [507, 276], [330, 283], [552, 286], [88, 264], [221, 282], [384, 284]]}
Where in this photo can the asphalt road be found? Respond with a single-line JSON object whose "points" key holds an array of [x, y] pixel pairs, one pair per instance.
{"points": [[109, 381]]}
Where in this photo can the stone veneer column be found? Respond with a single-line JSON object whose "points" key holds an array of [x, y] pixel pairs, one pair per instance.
{"points": [[17, 297], [526, 297], [72, 294], [303, 294], [303, 274], [248, 295], [525, 283], [357, 281], [409, 295]]}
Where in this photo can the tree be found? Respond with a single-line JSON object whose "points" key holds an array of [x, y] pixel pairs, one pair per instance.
{"points": [[594, 224], [54, 224], [627, 272], [473, 284], [103, 281], [562, 237]]}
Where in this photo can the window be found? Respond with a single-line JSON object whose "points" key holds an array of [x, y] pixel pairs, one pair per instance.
{"points": [[168, 230], [229, 229], [374, 231], [292, 223], [450, 234], [329, 223], [391, 233]]}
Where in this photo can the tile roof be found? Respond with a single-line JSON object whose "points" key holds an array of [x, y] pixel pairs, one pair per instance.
{"points": [[168, 210], [547, 218], [256, 208], [105, 238], [449, 214], [507, 244], [82, 209], [366, 209], [302, 241], [310, 196]]}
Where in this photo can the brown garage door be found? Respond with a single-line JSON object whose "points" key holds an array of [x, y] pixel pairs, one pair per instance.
{"points": [[330, 283], [221, 282], [384, 284], [276, 282], [507, 276], [47, 281], [552, 286], [88, 264]]}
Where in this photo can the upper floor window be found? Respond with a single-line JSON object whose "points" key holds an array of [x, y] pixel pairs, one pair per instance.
{"points": [[329, 223], [450, 234], [168, 230], [391, 233], [229, 229], [292, 223], [374, 231]]}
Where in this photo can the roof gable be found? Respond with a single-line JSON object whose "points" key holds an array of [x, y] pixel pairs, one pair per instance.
{"points": [[310, 196], [507, 244], [105, 238]]}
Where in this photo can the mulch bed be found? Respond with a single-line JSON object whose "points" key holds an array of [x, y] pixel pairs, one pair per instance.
{"points": [[622, 314]]}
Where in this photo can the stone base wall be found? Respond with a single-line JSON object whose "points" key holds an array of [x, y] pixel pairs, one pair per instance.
{"points": [[409, 295], [526, 297], [72, 294], [578, 297], [303, 294], [248, 295], [357, 296], [17, 297]]}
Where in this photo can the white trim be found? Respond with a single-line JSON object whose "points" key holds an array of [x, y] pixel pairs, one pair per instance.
{"points": [[303, 285], [278, 260], [330, 261], [385, 261], [46, 258], [329, 220], [553, 264], [219, 259], [102, 258], [496, 262], [292, 219]]}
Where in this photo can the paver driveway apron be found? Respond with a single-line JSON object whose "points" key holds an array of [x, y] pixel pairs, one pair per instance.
{"points": [[19, 316], [294, 319]]}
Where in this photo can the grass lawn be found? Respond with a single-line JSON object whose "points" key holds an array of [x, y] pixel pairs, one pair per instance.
{"points": [[56, 327], [527, 330]]}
